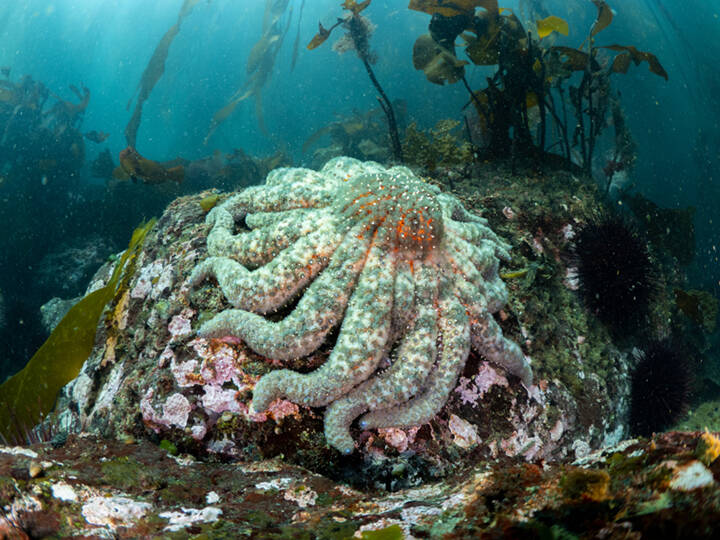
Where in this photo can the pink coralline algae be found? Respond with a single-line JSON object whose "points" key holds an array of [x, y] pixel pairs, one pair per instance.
{"points": [[176, 411], [218, 400], [180, 324], [153, 280], [472, 390], [400, 439], [464, 433]]}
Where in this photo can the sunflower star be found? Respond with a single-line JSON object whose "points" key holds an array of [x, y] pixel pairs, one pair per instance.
{"points": [[406, 271]]}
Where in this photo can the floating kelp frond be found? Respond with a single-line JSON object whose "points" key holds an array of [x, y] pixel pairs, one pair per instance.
{"points": [[148, 171], [551, 24], [570, 58], [363, 28], [451, 8], [259, 67], [221, 115], [358, 30], [258, 51], [438, 64], [353, 6], [27, 396], [153, 72], [296, 45], [187, 7], [604, 17], [322, 35], [622, 61]]}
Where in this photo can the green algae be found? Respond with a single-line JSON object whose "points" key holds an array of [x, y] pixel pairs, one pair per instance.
{"points": [[169, 447], [704, 416], [336, 530], [30, 394], [393, 532], [441, 146], [128, 473], [209, 202]]}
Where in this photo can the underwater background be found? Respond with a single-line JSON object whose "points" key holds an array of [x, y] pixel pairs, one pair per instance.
{"points": [[64, 213]]}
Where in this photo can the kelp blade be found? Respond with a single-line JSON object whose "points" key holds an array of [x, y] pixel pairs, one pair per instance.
{"points": [[604, 17], [451, 8], [637, 57], [31, 393], [551, 24]]}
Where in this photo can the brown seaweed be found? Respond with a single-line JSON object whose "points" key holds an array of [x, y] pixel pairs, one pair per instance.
{"points": [[354, 7], [296, 45], [632, 53], [96, 136], [438, 63], [259, 66], [451, 8], [529, 77], [147, 171], [153, 73], [551, 24], [358, 30], [29, 395], [604, 17]]}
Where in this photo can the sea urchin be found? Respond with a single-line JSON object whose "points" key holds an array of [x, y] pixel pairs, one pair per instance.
{"points": [[615, 272], [660, 388]]}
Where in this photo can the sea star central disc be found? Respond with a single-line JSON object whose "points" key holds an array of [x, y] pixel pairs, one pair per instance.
{"points": [[404, 207]]}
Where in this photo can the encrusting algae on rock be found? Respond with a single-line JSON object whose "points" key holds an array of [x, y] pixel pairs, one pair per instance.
{"points": [[405, 271]]}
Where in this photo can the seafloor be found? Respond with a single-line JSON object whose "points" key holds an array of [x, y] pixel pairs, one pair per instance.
{"points": [[86, 487]]}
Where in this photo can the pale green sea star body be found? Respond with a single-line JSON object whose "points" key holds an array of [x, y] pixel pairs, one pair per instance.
{"points": [[406, 271]]}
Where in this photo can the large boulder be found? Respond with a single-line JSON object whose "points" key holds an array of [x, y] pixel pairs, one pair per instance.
{"points": [[151, 375]]}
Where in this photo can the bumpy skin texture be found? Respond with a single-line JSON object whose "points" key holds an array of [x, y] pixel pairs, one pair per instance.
{"points": [[409, 275]]}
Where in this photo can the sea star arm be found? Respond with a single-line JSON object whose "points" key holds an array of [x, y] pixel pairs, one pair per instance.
{"points": [[471, 283], [455, 330], [305, 192], [483, 296], [476, 233], [258, 220], [286, 189], [273, 285], [339, 170], [402, 380], [295, 178], [481, 255], [404, 302], [259, 246], [453, 209], [360, 346], [319, 310], [487, 338]]}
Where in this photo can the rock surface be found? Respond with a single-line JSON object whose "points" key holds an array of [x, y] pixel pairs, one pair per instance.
{"points": [[151, 376], [52, 312], [66, 271]]}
